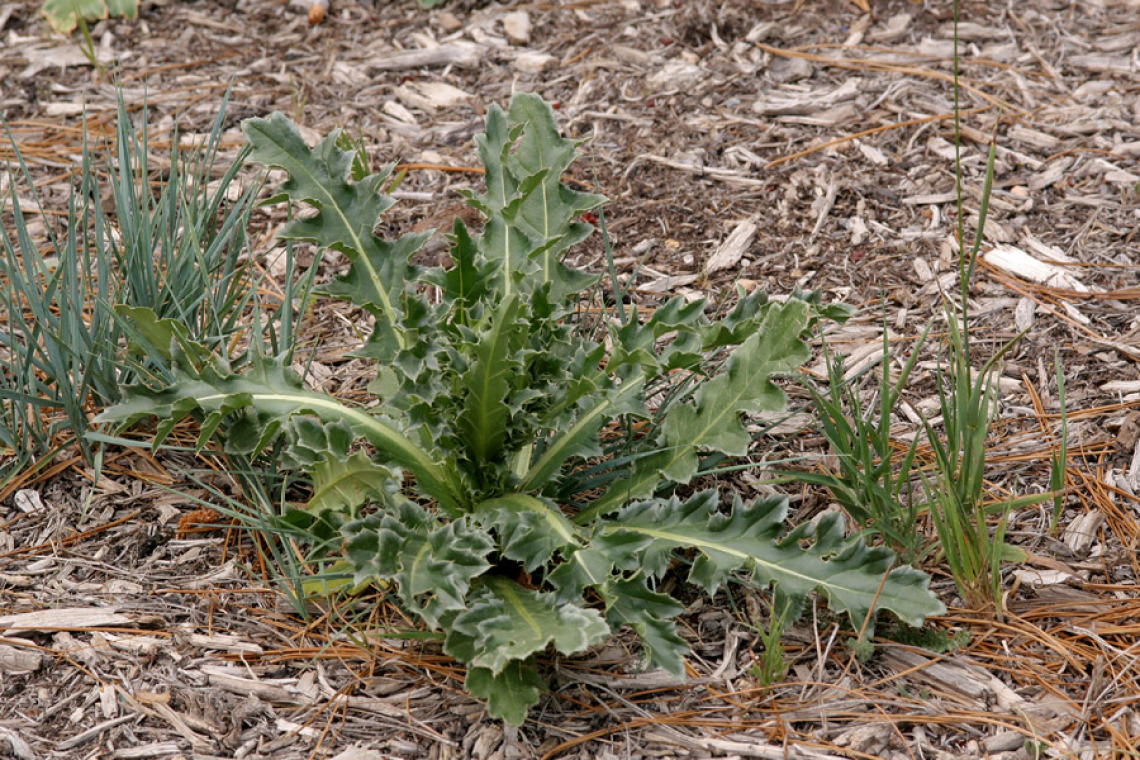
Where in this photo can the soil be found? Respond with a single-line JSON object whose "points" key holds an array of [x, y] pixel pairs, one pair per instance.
{"points": [[742, 143]]}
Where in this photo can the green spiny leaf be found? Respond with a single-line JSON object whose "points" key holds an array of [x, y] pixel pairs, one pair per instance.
{"points": [[855, 578], [124, 8], [735, 327], [64, 15], [345, 485], [637, 343], [505, 623], [433, 563], [712, 420], [530, 530], [465, 283], [346, 214], [530, 213], [511, 693], [580, 437], [342, 482], [650, 615], [484, 418], [271, 394], [160, 335]]}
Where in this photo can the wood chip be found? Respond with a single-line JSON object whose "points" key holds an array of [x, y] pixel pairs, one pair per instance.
{"points": [[1037, 577], [459, 53], [1121, 386], [1017, 262], [1080, 534], [829, 117], [145, 751], [896, 27], [533, 62], [224, 643], [516, 25], [17, 747], [28, 500], [875, 156], [431, 96], [1110, 64], [725, 175], [967, 30], [741, 747], [359, 753], [930, 200], [198, 742], [729, 253], [970, 685], [19, 660], [786, 101], [56, 55], [72, 618], [675, 74], [668, 283], [230, 681], [862, 358], [1023, 313], [790, 70], [85, 736], [1033, 138]]}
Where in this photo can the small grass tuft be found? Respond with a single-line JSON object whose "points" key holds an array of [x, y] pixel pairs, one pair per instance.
{"points": [[174, 246]]}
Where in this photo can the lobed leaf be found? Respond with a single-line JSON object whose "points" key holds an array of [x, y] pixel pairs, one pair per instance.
{"points": [[530, 530], [711, 420], [650, 615], [269, 394], [855, 578], [344, 485], [530, 214], [342, 482], [159, 335], [346, 213], [579, 439], [466, 282], [433, 563], [484, 417], [64, 15], [509, 694], [505, 622]]}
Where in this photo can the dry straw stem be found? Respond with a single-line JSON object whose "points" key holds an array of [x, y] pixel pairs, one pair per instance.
{"points": [[890, 66], [76, 538], [886, 66], [1034, 291], [872, 131]]}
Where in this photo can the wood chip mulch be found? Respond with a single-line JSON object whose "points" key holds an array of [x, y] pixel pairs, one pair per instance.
{"points": [[755, 142]]}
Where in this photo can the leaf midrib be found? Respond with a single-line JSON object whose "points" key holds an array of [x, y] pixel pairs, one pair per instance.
{"points": [[412, 454], [687, 540], [505, 591], [357, 243]]}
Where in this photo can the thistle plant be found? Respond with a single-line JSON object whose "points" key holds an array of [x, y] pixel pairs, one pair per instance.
{"points": [[489, 483]]}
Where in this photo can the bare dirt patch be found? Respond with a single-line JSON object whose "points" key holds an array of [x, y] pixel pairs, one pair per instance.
{"points": [[818, 142]]}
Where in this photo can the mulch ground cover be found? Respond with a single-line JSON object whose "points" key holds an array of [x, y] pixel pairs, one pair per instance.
{"points": [[746, 143]]}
